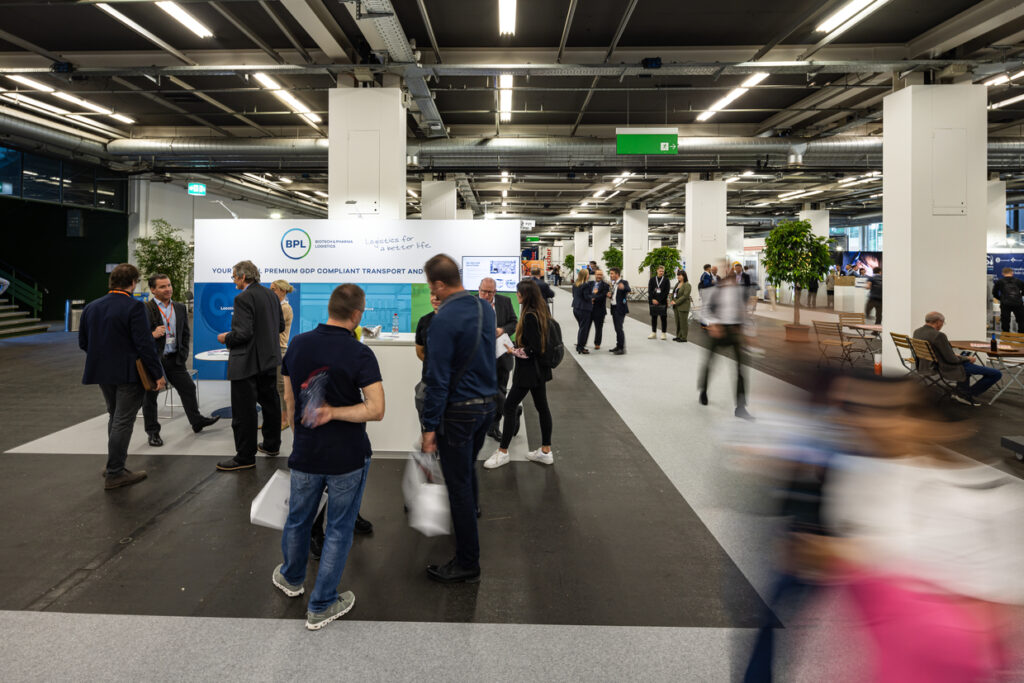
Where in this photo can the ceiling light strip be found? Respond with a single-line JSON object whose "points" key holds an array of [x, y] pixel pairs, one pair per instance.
{"points": [[185, 19]]}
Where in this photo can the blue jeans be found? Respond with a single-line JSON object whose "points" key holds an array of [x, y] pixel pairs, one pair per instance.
{"points": [[459, 440], [989, 376], [344, 495]]}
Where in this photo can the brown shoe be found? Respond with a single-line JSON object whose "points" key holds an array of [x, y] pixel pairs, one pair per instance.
{"points": [[126, 478]]}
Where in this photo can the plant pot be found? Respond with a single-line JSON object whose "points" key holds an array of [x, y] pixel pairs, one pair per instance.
{"points": [[798, 333]]}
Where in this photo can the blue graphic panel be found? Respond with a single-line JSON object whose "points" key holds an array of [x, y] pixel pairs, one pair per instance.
{"points": [[382, 302], [214, 303]]}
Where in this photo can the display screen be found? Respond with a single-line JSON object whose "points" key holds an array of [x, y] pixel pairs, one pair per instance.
{"points": [[504, 270]]}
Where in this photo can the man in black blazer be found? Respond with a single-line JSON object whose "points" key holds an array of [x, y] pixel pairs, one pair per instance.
{"points": [[168, 321], [506, 319], [598, 293], [617, 293], [255, 344], [114, 333]]}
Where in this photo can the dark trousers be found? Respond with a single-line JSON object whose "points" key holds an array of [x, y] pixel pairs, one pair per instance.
{"points": [[459, 441], [245, 394], [505, 365], [540, 402], [732, 337], [597, 317], [583, 319], [178, 377], [123, 403], [659, 313], [876, 305], [1004, 316], [618, 315], [788, 594]]}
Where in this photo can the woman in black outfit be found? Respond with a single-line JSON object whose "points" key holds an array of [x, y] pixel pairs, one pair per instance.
{"points": [[581, 307], [529, 377]]}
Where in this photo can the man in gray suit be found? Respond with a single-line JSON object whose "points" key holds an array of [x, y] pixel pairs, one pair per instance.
{"points": [[254, 341], [954, 366]]}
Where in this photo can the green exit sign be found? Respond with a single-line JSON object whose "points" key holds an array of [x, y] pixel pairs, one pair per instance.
{"points": [[533, 239], [646, 140], [197, 189]]}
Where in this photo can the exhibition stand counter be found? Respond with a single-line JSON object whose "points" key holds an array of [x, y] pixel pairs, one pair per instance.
{"points": [[850, 298], [400, 370]]}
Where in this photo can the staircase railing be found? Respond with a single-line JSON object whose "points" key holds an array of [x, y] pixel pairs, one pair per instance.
{"points": [[24, 288]]}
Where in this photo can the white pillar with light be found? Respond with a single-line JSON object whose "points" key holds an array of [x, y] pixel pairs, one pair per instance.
{"points": [[635, 224], [936, 202], [705, 236]]}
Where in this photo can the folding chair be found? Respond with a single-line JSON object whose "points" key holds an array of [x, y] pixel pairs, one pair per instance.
{"points": [[927, 360], [832, 344], [861, 343], [905, 352], [1012, 337], [851, 318]]}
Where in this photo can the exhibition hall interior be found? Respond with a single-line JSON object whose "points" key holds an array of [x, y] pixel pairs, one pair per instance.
{"points": [[752, 476]]}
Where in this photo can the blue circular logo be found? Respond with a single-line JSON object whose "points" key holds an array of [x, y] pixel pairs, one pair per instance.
{"points": [[296, 243]]}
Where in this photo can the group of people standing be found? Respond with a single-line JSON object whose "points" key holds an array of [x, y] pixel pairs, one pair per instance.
{"points": [[592, 300]]}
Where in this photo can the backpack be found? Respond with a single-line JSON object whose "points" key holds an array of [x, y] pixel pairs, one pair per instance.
{"points": [[554, 350]]}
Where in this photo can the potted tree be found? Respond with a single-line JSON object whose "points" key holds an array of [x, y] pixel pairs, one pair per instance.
{"points": [[164, 251], [570, 264], [612, 258], [793, 253], [662, 256]]}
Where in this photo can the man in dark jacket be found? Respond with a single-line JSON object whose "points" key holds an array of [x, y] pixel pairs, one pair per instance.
{"points": [[617, 293], [168, 321], [954, 366], [114, 333], [545, 288], [597, 291], [1009, 290], [255, 344], [659, 288], [505, 316]]}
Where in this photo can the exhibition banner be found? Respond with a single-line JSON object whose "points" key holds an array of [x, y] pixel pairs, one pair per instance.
{"points": [[996, 263], [384, 257]]}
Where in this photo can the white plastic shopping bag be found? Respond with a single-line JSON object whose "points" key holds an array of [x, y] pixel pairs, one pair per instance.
{"points": [[270, 506], [426, 496]]}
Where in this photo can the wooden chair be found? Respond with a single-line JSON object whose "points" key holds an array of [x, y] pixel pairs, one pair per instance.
{"points": [[928, 369], [905, 352], [1012, 337], [851, 318], [861, 343], [832, 344]]}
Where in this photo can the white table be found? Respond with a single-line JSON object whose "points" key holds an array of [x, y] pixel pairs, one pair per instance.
{"points": [[220, 355], [400, 370], [850, 299]]}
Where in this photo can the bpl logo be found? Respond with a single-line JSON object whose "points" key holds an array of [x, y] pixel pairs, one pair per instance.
{"points": [[296, 243]]}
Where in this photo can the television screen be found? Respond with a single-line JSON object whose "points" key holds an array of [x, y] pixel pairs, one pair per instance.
{"points": [[504, 270]]}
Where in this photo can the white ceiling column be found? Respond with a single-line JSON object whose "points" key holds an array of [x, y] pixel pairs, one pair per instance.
{"points": [[995, 218], [819, 220], [635, 224], [705, 240], [438, 200], [602, 239], [581, 248], [935, 209]]}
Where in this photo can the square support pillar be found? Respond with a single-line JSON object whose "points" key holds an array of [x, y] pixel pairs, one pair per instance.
{"points": [[634, 242], [734, 240], [936, 201], [366, 153], [819, 220], [581, 248], [464, 214], [438, 200], [705, 238], [601, 240]]}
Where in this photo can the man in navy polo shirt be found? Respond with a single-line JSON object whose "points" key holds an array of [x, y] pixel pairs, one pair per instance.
{"points": [[462, 380], [334, 388]]}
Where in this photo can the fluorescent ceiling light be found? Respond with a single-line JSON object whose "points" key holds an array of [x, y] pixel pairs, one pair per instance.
{"points": [[283, 179], [320, 193], [856, 19], [754, 79], [504, 203], [598, 194], [411, 193], [266, 81], [748, 173], [573, 212], [998, 80], [504, 177], [732, 179], [35, 85], [122, 118], [186, 19], [506, 17], [664, 203], [302, 194], [840, 17], [612, 194], [275, 214], [505, 97], [504, 193], [32, 102], [67, 97], [1004, 103]]}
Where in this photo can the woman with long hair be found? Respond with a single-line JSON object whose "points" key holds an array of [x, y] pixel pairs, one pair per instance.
{"points": [[581, 307], [530, 375]]}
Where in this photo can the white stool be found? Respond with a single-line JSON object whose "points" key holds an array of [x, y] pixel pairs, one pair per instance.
{"points": [[170, 393]]}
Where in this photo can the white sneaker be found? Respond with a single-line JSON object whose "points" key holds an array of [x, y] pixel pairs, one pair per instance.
{"points": [[540, 456], [664, 336], [497, 460], [652, 335]]}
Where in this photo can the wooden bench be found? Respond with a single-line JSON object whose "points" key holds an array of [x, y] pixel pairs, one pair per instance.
{"points": [[1016, 445]]}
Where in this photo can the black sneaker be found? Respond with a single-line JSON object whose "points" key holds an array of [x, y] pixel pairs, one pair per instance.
{"points": [[362, 526], [204, 422], [263, 449], [453, 573]]}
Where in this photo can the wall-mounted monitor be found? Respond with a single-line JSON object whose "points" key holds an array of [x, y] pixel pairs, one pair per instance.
{"points": [[504, 270]]}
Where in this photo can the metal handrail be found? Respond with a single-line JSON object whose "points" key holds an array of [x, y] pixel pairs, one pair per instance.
{"points": [[31, 295]]}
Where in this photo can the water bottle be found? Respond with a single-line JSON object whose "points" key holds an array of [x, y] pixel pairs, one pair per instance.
{"points": [[394, 324], [993, 344]]}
